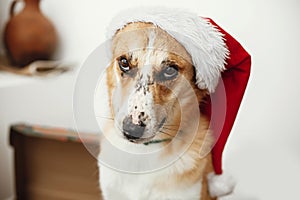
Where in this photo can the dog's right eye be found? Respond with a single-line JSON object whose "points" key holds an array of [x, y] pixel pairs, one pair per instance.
{"points": [[124, 65]]}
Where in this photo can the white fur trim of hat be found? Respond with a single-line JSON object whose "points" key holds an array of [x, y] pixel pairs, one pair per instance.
{"points": [[204, 42]]}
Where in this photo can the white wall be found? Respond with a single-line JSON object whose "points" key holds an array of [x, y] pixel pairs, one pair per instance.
{"points": [[263, 152]]}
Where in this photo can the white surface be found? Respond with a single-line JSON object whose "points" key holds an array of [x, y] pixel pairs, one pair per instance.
{"points": [[9, 79], [263, 152]]}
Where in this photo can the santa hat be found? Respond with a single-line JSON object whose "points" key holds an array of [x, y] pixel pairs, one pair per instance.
{"points": [[215, 54]]}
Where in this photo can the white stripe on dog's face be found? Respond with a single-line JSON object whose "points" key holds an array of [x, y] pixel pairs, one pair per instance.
{"points": [[150, 47], [148, 63], [141, 101]]}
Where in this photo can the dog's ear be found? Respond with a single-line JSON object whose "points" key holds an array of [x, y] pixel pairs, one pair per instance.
{"points": [[204, 92]]}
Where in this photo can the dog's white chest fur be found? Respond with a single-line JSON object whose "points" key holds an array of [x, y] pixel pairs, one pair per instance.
{"points": [[117, 185]]}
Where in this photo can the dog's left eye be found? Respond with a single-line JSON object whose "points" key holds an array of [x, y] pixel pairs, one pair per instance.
{"points": [[170, 72]]}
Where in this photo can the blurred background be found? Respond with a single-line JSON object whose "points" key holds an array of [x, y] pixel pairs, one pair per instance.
{"points": [[263, 151]]}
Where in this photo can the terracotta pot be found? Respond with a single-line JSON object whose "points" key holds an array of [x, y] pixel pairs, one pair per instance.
{"points": [[29, 35]]}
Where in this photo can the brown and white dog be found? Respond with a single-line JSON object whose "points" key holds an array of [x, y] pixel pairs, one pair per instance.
{"points": [[143, 82], [154, 101]]}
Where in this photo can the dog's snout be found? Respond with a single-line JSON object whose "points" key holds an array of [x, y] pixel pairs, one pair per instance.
{"points": [[132, 130]]}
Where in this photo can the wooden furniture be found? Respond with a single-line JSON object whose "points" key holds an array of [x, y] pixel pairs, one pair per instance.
{"points": [[53, 163]]}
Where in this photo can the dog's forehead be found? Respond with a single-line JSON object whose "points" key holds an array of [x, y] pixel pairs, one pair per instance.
{"points": [[142, 38]]}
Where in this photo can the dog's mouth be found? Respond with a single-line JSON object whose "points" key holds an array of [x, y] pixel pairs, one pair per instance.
{"points": [[149, 141], [140, 140]]}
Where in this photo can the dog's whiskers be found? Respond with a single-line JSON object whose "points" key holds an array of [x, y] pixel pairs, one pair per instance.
{"points": [[108, 118], [172, 136], [170, 129], [170, 125]]}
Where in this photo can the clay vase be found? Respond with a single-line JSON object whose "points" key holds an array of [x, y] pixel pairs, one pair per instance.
{"points": [[29, 35]]}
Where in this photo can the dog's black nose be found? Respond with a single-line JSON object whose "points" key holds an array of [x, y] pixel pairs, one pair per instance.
{"points": [[133, 131]]}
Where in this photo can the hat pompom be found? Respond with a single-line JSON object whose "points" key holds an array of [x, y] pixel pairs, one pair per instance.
{"points": [[220, 185]]}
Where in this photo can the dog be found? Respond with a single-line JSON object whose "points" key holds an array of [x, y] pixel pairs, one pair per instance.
{"points": [[173, 87], [151, 88]]}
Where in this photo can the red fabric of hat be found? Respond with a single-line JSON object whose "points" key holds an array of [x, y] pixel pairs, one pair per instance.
{"points": [[235, 79]]}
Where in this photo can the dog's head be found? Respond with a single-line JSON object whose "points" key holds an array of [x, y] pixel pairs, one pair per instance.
{"points": [[151, 84]]}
